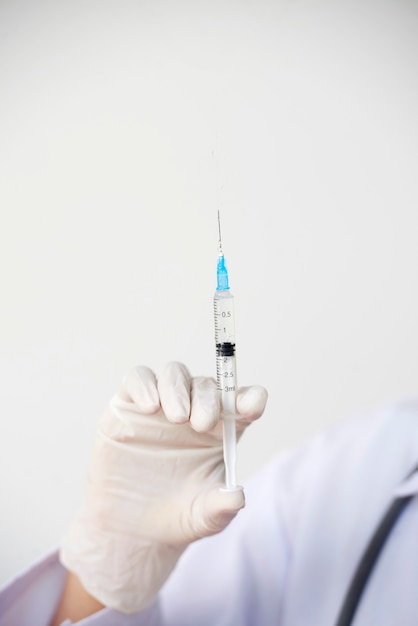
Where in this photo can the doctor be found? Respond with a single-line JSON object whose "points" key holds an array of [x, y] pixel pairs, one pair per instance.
{"points": [[286, 559]]}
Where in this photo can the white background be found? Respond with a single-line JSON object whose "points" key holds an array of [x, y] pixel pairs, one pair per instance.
{"points": [[124, 126]]}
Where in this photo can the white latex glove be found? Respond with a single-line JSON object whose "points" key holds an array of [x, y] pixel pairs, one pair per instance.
{"points": [[154, 484]]}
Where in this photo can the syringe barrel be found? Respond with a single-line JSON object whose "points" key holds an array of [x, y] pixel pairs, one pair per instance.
{"points": [[223, 304], [226, 374]]}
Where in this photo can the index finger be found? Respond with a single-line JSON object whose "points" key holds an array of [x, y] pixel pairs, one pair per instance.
{"points": [[140, 386]]}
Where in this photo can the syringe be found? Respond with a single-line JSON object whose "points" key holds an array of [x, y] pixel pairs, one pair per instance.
{"points": [[223, 304]]}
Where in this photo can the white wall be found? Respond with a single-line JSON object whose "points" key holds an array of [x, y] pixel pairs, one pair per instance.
{"points": [[123, 127]]}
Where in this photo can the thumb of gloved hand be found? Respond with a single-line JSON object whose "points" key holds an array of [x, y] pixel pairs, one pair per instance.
{"points": [[154, 485]]}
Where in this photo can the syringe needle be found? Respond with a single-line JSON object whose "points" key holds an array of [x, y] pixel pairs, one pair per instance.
{"points": [[220, 236]]}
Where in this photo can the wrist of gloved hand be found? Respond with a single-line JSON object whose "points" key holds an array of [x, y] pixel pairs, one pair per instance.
{"points": [[127, 575], [154, 484]]}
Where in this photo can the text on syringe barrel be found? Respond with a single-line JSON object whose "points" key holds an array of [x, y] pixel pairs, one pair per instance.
{"points": [[226, 380], [223, 304]]}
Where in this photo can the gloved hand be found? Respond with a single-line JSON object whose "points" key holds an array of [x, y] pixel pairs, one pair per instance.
{"points": [[154, 484]]}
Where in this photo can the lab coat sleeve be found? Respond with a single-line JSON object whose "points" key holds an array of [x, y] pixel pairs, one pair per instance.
{"points": [[235, 577]]}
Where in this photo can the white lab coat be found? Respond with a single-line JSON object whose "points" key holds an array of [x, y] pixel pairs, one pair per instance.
{"points": [[288, 557]]}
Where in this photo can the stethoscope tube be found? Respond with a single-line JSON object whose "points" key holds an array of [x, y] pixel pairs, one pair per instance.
{"points": [[369, 558]]}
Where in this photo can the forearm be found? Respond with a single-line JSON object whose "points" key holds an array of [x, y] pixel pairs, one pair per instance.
{"points": [[75, 602]]}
